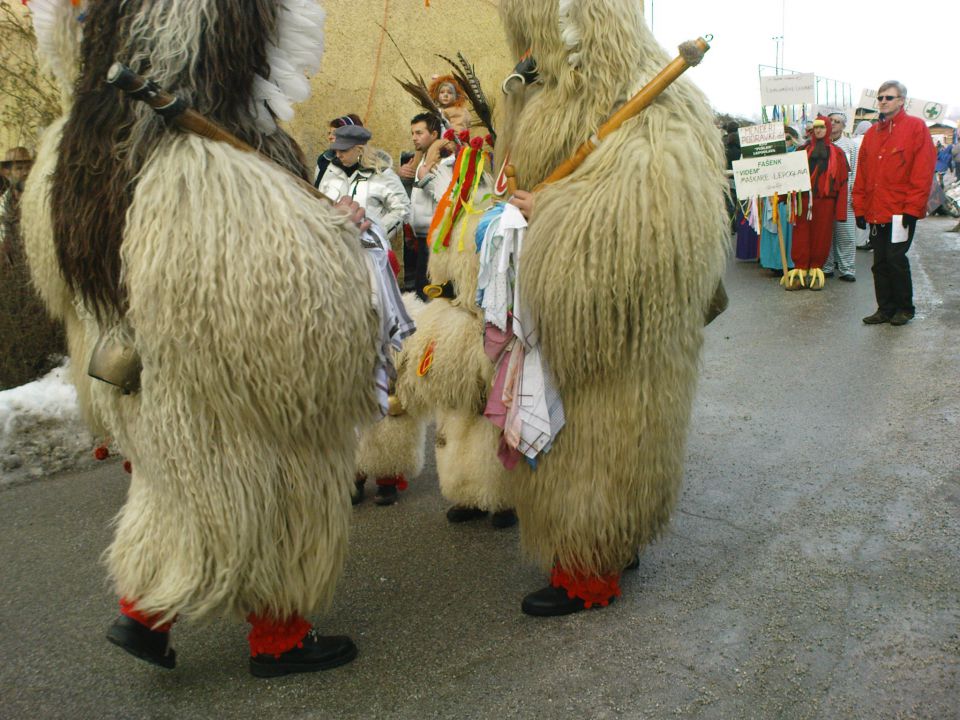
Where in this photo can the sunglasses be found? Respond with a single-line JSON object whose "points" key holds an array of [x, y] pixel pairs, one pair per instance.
{"points": [[888, 98]]}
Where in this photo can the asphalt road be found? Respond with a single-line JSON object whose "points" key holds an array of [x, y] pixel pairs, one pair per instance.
{"points": [[811, 570]]}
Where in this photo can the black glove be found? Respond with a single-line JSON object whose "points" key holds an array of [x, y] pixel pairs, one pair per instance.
{"points": [[909, 222], [861, 222]]}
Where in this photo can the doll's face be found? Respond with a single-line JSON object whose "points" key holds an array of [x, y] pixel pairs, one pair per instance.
{"points": [[446, 95]]}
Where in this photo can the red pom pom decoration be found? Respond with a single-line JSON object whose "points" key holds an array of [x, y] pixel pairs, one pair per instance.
{"points": [[449, 134], [127, 466], [488, 139], [476, 143], [101, 453], [593, 590], [275, 637], [464, 135]]}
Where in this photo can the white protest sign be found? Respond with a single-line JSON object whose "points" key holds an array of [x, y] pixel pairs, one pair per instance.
{"points": [[765, 133], [764, 176], [796, 89], [925, 109], [868, 99], [765, 139]]}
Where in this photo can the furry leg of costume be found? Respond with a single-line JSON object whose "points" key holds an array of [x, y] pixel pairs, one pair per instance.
{"points": [[445, 371], [391, 451]]}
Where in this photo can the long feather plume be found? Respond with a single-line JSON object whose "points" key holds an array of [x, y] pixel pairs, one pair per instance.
{"points": [[416, 88], [467, 77]]}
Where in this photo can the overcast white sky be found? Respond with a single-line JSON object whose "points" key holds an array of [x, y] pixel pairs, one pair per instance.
{"points": [[856, 42]]}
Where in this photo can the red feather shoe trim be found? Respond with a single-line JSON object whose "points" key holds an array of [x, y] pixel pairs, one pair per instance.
{"points": [[128, 608], [275, 638], [592, 589]]}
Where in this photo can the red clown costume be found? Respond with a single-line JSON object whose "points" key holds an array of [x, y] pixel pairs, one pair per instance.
{"points": [[826, 203]]}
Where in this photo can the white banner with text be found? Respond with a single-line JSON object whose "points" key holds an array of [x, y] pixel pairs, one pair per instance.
{"points": [[764, 176]]}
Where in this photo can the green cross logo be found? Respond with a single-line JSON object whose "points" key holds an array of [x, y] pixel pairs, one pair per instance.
{"points": [[932, 110]]}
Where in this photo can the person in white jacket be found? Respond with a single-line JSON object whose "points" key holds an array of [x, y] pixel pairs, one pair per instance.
{"points": [[365, 174]]}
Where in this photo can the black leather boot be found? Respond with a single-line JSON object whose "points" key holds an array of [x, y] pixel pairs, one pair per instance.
{"points": [[551, 601], [356, 496], [503, 519], [464, 513], [142, 642], [385, 495], [319, 652]]}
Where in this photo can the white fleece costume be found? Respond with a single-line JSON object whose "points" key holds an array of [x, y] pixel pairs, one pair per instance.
{"points": [[241, 300], [621, 260]]}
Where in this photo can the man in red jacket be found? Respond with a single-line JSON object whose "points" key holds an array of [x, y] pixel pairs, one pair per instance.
{"points": [[894, 173]]}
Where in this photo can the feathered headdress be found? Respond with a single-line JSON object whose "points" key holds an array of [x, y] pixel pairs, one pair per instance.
{"points": [[293, 54], [59, 30]]}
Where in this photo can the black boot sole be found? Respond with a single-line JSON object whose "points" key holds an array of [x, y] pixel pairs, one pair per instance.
{"points": [[128, 641], [554, 602], [278, 669]]}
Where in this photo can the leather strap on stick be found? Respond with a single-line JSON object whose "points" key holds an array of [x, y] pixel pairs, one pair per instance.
{"points": [[175, 111]]}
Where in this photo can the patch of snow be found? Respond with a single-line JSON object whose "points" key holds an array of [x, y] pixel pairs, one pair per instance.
{"points": [[41, 430]]}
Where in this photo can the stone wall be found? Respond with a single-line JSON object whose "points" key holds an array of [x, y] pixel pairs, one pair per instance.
{"points": [[360, 63]]}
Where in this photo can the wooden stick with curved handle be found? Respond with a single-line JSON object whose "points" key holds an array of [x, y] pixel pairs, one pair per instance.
{"points": [[690, 54]]}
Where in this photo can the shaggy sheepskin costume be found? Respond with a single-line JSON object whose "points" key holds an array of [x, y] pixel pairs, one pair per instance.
{"points": [[238, 291], [392, 451], [621, 260], [443, 371]]}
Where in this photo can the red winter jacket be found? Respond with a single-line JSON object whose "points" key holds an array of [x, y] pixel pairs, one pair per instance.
{"points": [[894, 169]]}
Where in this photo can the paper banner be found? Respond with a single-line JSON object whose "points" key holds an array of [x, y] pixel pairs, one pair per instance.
{"points": [[797, 89]]}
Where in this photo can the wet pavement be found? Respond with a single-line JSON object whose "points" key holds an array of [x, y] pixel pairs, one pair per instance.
{"points": [[812, 569]]}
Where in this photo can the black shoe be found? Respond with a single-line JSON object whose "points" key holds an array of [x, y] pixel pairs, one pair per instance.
{"points": [[868, 246], [901, 318], [319, 652], [139, 640], [876, 319], [356, 497], [633, 564], [386, 495], [828, 274], [847, 278], [463, 513], [552, 601], [501, 519]]}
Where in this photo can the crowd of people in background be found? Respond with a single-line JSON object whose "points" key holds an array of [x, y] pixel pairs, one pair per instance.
{"points": [[402, 200], [820, 230]]}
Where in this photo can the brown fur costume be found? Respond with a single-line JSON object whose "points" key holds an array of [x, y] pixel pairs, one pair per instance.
{"points": [[620, 262], [239, 292]]}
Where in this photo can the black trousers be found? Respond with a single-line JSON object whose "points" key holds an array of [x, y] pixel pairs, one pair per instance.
{"points": [[891, 271], [415, 266]]}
